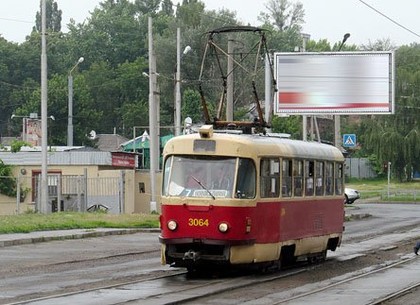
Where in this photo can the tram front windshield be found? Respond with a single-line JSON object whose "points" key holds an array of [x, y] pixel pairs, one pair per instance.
{"points": [[203, 176]]}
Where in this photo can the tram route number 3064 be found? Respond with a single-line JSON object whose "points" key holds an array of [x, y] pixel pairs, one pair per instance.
{"points": [[198, 222]]}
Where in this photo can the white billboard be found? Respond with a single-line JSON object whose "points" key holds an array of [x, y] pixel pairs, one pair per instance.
{"points": [[334, 83]]}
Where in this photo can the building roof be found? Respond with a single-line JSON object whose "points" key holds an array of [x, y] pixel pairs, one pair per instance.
{"points": [[57, 158], [109, 142]]}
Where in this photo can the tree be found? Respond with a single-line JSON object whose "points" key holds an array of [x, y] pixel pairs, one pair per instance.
{"points": [[116, 32], [190, 12], [191, 106], [53, 17], [284, 15], [7, 182], [289, 125], [149, 6], [167, 8], [396, 138], [379, 45]]}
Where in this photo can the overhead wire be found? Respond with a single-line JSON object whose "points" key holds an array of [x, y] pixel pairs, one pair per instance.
{"points": [[16, 20], [389, 18]]}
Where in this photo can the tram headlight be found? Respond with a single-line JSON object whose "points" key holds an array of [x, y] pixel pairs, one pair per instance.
{"points": [[223, 227], [172, 225]]}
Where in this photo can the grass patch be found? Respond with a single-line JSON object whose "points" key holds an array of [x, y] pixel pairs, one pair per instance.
{"points": [[26, 223], [379, 188]]}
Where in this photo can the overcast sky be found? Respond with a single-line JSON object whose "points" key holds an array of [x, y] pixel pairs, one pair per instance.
{"points": [[329, 19]]}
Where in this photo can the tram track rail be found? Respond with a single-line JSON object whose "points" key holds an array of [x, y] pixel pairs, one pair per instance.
{"points": [[395, 295], [65, 264], [51, 297], [200, 288], [356, 277], [182, 289], [174, 286], [179, 287]]}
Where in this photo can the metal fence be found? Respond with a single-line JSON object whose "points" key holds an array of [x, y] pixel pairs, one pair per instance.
{"points": [[65, 193], [359, 168]]}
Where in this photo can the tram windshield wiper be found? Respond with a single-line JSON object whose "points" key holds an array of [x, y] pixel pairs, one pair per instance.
{"points": [[203, 186]]}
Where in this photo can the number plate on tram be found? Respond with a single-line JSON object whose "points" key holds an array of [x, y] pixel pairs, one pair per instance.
{"points": [[198, 222]]}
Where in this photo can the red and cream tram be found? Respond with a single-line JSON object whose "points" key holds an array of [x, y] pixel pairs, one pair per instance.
{"points": [[249, 199]]}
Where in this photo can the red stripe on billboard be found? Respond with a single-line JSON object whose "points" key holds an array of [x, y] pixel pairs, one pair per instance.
{"points": [[290, 98]]}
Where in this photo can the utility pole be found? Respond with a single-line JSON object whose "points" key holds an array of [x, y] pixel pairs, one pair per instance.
{"points": [[43, 202], [178, 84], [70, 104], [229, 93], [179, 55], [154, 141]]}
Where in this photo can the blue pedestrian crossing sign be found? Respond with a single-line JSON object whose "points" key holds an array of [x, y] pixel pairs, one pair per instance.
{"points": [[349, 140]]}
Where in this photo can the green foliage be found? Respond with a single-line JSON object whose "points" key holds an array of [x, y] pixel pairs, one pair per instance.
{"points": [[111, 92], [53, 17], [16, 145], [191, 106], [290, 125], [284, 15], [7, 181]]}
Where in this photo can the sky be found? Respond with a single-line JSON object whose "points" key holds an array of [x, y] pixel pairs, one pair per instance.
{"points": [[324, 19]]}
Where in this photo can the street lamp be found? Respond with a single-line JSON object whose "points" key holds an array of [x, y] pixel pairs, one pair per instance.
{"points": [[70, 105], [346, 36], [178, 81]]}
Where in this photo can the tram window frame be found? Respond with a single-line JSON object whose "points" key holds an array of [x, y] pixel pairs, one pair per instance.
{"points": [[269, 177], [246, 179], [329, 178], [286, 177], [309, 177], [319, 178], [167, 165], [339, 174], [298, 178]]}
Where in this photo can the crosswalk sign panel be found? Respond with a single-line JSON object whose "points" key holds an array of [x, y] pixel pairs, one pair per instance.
{"points": [[349, 140]]}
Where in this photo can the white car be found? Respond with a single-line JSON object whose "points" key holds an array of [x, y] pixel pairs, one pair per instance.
{"points": [[350, 195]]}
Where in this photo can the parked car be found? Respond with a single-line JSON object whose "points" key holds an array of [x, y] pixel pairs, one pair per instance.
{"points": [[350, 195]]}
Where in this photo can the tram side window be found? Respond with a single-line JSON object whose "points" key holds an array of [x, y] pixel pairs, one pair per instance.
{"points": [[329, 178], [309, 178], [173, 177], [298, 177], [319, 178], [286, 188], [166, 174], [270, 178], [339, 178], [245, 186]]}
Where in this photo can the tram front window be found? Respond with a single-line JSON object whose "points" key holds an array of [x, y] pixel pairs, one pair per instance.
{"points": [[199, 176]]}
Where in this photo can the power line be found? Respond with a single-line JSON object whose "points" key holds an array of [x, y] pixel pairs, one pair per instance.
{"points": [[16, 20], [390, 19]]}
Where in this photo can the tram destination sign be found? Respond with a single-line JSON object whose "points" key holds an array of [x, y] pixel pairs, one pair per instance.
{"points": [[334, 83]]}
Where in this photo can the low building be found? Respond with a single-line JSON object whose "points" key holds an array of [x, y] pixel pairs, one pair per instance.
{"points": [[78, 180]]}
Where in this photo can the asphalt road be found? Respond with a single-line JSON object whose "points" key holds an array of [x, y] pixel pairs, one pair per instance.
{"points": [[78, 262]]}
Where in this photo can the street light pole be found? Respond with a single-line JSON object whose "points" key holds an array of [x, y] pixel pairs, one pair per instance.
{"points": [[178, 81], [70, 104], [337, 118]]}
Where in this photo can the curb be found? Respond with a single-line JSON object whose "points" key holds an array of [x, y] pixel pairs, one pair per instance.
{"points": [[20, 239]]}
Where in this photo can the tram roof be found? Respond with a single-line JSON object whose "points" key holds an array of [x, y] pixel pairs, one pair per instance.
{"points": [[256, 146]]}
